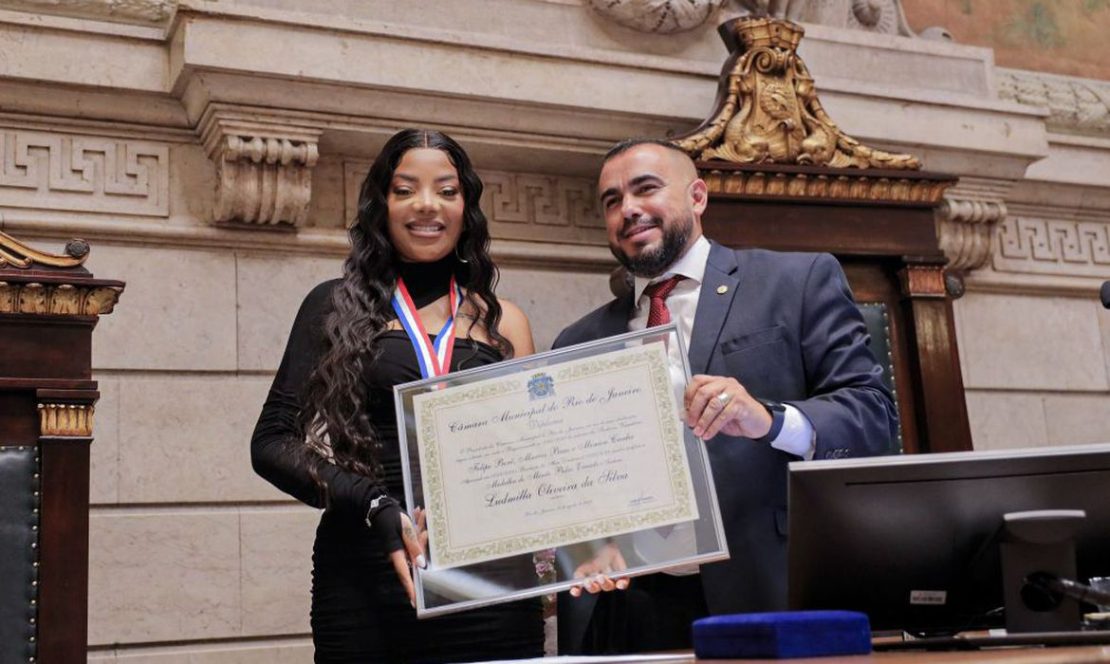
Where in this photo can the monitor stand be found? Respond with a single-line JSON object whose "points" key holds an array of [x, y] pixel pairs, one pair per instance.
{"points": [[1039, 542]]}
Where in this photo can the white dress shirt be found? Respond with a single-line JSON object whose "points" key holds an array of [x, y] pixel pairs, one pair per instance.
{"points": [[797, 436]]}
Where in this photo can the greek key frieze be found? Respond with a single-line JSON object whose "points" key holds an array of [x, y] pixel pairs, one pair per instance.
{"points": [[521, 198], [524, 206], [83, 173], [1068, 247]]}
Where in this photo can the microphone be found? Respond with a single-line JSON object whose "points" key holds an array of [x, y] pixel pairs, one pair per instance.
{"points": [[1104, 294]]}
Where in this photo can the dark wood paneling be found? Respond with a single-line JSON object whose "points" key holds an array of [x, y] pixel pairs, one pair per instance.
{"points": [[64, 549], [19, 423], [842, 229], [942, 417], [68, 353], [875, 243]]}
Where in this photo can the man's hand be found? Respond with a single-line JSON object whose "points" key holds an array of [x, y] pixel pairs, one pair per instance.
{"points": [[415, 539], [596, 572], [716, 404]]}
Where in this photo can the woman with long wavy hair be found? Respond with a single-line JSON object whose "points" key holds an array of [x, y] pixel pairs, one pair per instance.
{"points": [[327, 434]]}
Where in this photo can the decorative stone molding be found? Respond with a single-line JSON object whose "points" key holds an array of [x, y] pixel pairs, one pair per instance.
{"points": [[1076, 247], [524, 198], [1075, 105], [967, 218], [62, 419], [84, 173], [520, 206], [128, 11], [657, 16], [880, 16], [263, 167], [767, 109]]}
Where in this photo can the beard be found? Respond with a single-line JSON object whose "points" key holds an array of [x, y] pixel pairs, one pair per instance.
{"points": [[655, 261]]}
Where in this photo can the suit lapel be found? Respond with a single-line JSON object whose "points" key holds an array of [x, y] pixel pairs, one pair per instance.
{"points": [[721, 270], [615, 319]]}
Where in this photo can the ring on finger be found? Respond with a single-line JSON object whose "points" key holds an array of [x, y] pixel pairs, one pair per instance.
{"points": [[723, 398]]}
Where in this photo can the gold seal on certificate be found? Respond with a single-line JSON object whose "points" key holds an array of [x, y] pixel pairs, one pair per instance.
{"points": [[555, 455]]}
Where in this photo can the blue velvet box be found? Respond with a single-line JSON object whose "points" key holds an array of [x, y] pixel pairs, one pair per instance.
{"points": [[782, 635]]}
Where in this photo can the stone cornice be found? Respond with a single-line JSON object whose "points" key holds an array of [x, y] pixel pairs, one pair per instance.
{"points": [[144, 12], [1075, 105]]}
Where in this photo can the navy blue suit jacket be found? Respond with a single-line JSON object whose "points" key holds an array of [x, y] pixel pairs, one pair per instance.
{"points": [[787, 329]]}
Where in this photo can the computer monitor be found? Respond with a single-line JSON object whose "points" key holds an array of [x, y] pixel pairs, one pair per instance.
{"points": [[913, 541]]}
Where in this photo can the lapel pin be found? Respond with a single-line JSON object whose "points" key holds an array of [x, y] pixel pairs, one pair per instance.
{"points": [[722, 289]]}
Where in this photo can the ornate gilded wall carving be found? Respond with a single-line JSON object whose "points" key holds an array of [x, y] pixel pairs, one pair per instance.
{"points": [[83, 173], [263, 167], [767, 109], [1073, 247], [521, 206], [47, 294], [61, 419], [1075, 105]]}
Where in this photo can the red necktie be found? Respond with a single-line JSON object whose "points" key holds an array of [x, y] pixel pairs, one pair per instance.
{"points": [[658, 314]]}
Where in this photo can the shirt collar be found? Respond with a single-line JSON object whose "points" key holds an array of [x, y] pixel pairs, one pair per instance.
{"points": [[690, 265]]}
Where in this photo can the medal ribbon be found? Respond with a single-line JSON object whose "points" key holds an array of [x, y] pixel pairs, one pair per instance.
{"points": [[434, 359]]}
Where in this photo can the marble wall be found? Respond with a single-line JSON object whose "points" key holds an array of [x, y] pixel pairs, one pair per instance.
{"points": [[126, 125]]}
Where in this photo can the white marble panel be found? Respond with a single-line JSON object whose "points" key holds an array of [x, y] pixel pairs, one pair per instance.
{"points": [[163, 576], [1104, 326], [1004, 420], [276, 546], [1076, 419], [270, 291], [104, 452], [177, 312], [276, 652], [1030, 342], [553, 299], [187, 439]]}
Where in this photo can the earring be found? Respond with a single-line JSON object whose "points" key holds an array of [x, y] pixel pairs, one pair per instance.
{"points": [[457, 256]]}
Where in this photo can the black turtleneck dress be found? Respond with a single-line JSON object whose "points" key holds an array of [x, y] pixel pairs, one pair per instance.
{"points": [[360, 612]]}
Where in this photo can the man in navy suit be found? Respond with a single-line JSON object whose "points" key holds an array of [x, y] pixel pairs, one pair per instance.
{"points": [[782, 372]]}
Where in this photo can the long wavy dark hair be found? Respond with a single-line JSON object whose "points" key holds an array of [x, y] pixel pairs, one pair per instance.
{"points": [[335, 418]]}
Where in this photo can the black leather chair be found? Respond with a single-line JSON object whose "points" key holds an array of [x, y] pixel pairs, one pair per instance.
{"points": [[19, 527], [877, 320]]}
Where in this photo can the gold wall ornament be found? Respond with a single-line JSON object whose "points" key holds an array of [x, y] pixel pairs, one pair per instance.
{"points": [[767, 109], [62, 419], [792, 182], [16, 254], [57, 299]]}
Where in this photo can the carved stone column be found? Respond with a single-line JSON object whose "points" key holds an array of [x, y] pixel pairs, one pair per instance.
{"points": [[263, 167]]}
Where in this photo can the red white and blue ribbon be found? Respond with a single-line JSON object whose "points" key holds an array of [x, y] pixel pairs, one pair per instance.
{"points": [[434, 359]]}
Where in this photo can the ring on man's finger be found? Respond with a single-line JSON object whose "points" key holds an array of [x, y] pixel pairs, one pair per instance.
{"points": [[723, 398]]}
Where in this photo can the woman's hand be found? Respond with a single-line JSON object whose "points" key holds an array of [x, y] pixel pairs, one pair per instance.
{"points": [[596, 572], [409, 549]]}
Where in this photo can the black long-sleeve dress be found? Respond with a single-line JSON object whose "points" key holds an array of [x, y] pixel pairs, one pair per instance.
{"points": [[359, 610]]}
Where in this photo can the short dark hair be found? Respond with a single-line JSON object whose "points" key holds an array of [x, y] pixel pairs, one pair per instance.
{"points": [[629, 143]]}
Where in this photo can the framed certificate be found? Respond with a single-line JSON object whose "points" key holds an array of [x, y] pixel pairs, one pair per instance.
{"points": [[534, 470]]}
